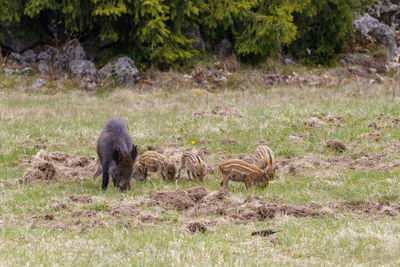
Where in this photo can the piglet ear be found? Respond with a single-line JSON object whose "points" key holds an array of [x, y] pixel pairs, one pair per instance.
{"points": [[165, 163], [117, 156], [266, 169], [264, 176], [142, 169], [134, 152]]}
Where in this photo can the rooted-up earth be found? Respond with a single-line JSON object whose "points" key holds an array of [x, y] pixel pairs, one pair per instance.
{"points": [[334, 198]]}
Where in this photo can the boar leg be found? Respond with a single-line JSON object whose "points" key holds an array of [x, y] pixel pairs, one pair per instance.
{"points": [[248, 182], [225, 182], [189, 176], [104, 185]]}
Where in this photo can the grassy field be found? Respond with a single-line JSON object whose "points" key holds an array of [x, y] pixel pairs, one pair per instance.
{"points": [[354, 193]]}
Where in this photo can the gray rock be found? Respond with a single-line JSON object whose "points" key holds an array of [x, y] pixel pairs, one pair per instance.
{"points": [[28, 57], [386, 11], [8, 71], [381, 32], [372, 70], [123, 69], [288, 61], [224, 48], [14, 58], [357, 70], [366, 61], [73, 50], [38, 83], [193, 33], [44, 56], [82, 68], [43, 68]]}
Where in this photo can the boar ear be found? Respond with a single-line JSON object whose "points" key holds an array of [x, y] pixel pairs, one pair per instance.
{"points": [[134, 152], [117, 156], [165, 163]]}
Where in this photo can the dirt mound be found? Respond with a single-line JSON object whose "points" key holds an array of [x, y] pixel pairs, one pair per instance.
{"points": [[196, 208], [364, 162], [384, 208], [197, 194], [372, 136], [196, 227], [270, 210], [256, 207], [314, 123], [335, 145], [84, 213], [40, 170], [203, 141], [178, 199], [198, 202], [299, 163], [59, 206], [57, 166], [382, 122], [81, 198], [228, 140], [225, 111]]}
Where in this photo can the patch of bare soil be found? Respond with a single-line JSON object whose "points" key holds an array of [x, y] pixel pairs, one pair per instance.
{"points": [[196, 227], [196, 209], [57, 166], [382, 121], [59, 206], [203, 141], [226, 111], [314, 123], [174, 199], [228, 140], [221, 111], [80, 198], [335, 145], [381, 209], [297, 138], [372, 136], [295, 165], [198, 202], [329, 118]]}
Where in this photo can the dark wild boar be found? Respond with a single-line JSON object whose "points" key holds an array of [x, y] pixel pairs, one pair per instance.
{"points": [[116, 153]]}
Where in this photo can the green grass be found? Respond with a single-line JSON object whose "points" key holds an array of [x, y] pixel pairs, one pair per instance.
{"points": [[71, 122]]}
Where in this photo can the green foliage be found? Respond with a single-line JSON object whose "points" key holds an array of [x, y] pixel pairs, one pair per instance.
{"points": [[323, 29], [151, 31], [270, 26]]}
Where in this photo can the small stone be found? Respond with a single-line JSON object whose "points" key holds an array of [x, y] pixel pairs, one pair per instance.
{"points": [[38, 83]]}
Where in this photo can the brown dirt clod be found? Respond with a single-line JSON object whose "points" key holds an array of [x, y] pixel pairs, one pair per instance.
{"points": [[228, 140], [335, 145], [274, 240], [225, 111], [179, 199], [80, 198], [196, 227], [197, 194], [57, 166], [48, 217], [314, 122]]}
